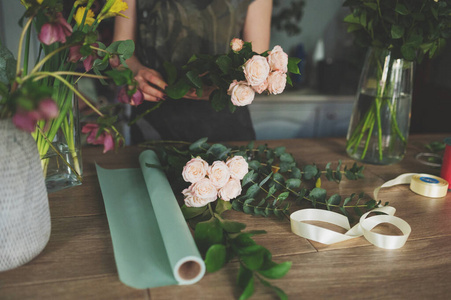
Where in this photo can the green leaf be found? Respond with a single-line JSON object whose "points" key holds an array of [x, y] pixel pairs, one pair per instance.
{"points": [[224, 63], [219, 100], [283, 196], [252, 190], [293, 65], [232, 227], [171, 72], [193, 77], [244, 275], [191, 212], [310, 171], [254, 165], [401, 9], [318, 194], [293, 183], [266, 179], [219, 151], [352, 19], [254, 257], [296, 173], [279, 151], [397, 31], [215, 257], [277, 271], [286, 157], [222, 206], [249, 288], [335, 199], [7, 65], [208, 233], [198, 145], [126, 48], [178, 89], [249, 177]]}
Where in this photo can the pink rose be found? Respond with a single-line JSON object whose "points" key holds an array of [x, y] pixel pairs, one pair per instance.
{"points": [[191, 200], [238, 167], [256, 70], [261, 88], [219, 174], [204, 190], [105, 138], [278, 60], [195, 170], [236, 44], [231, 190], [241, 93], [276, 82]]}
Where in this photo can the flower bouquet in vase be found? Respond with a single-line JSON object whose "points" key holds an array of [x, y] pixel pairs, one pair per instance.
{"points": [[43, 99], [398, 34]]}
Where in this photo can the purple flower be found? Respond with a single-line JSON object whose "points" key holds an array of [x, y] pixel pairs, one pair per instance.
{"points": [[55, 31], [136, 99], [104, 138]]}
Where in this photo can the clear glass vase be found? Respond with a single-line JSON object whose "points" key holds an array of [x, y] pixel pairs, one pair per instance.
{"points": [[380, 121], [59, 145]]}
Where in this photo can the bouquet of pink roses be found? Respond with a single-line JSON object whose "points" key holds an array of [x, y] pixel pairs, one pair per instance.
{"points": [[235, 76]]}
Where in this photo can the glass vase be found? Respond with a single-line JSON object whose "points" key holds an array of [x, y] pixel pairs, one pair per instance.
{"points": [[59, 144], [379, 125]]}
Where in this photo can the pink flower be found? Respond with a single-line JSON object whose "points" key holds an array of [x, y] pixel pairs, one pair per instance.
{"points": [[105, 138], [26, 120], [136, 99], [204, 190], [276, 82], [256, 70], [230, 190], [55, 31], [236, 44], [241, 93], [75, 56], [48, 109], [238, 167], [219, 174], [261, 88], [278, 60], [195, 170], [114, 61]]}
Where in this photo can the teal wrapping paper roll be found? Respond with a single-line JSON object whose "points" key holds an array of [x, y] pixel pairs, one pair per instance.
{"points": [[151, 240]]}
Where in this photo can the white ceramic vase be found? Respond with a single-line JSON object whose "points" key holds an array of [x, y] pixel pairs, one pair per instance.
{"points": [[24, 207]]}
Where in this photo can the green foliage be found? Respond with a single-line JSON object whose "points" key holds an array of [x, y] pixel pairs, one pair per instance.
{"points": [[411, 29], [273, 185]]}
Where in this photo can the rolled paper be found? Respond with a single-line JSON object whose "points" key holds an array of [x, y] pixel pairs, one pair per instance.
{"points": [[151, 241], [445, 172], [363, 228], [423, 184]]}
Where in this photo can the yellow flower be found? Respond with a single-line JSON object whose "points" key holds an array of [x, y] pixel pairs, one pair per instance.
{"points": [[80, 13], [39, 1], [113, 8]]}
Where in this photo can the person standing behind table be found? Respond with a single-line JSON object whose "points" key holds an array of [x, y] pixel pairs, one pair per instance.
{"points": [[174, 30]]}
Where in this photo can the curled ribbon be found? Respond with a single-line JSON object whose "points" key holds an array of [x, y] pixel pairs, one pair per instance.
{"points": [[364, 227]]}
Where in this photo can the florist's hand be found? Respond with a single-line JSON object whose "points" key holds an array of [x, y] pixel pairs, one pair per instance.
{"points": [[151, 83], [205, 93]]}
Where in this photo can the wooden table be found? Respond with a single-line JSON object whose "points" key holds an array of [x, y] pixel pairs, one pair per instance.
{"points": [[78, 261]]}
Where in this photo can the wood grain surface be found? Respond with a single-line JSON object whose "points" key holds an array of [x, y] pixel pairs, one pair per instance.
{"points": [[78, 262]]}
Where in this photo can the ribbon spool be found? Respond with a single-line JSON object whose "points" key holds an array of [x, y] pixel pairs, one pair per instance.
{"points": [[423, 184]]}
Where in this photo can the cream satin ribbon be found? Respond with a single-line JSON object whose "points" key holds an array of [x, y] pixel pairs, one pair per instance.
{"points": [[364, 227], [422, 184]]}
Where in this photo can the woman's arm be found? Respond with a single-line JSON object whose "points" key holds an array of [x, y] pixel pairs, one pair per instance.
{"points": [[150, 81], [257, 27]]}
